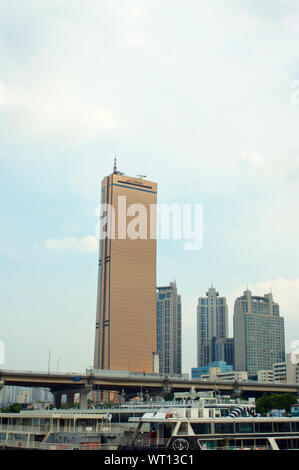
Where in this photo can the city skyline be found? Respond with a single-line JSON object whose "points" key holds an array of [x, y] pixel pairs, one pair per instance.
{"points": [[206, 107]]}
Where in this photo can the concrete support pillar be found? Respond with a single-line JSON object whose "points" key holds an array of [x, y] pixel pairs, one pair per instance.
{"points": [[166, 387], [70, 399], [57, 399], [237, 393], [1, 389], [83, 397]]}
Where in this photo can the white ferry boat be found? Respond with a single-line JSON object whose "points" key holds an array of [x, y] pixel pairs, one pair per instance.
{"points": [[207, 423], [92, 429], [213, 423]]}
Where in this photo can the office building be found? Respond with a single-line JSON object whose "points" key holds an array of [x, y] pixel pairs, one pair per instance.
{"points": [[258, 333], [219, 349], [211, 371], [169, 329], [126, 302], [265, 376], [212, 321], [287, 371], [218, 370]]}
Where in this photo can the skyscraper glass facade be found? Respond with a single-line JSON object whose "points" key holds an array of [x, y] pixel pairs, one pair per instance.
{"points": [[258, 333], [212, 321], [169, 329]]}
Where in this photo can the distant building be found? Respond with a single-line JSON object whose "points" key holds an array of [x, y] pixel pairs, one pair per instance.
{"points": [[281, 372], [212, 321], [169, 329], [259, 339], [213, 369], [219, 371], [16, 394], [219, 349], [265, 376], [234, 375], [286, 371]]}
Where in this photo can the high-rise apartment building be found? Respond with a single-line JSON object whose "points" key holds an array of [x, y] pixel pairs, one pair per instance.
{"points": [[169, 330], [258, 333], [126, 301], [212, 321]]}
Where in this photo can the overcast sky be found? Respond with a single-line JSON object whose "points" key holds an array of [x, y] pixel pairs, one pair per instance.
{"points": [[200, 96]]}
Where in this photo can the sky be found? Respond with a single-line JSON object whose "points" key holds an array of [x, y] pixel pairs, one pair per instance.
{"points": [[202, 96]]}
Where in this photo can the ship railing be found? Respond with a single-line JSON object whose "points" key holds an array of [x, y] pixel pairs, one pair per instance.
{"points": [[38, 428], [245, 447], [44, 428], [24, 444], [145, 442], [138, 443]]}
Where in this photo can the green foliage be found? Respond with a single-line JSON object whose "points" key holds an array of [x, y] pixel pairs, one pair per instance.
{"points": [[275, 401], [169, 396], [13, 408]]}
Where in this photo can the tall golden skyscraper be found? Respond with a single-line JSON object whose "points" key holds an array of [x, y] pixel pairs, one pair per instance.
{"points": [[126, 302]]}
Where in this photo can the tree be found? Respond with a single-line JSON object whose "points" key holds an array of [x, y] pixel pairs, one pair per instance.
{"points": [[287, 400], [276, 401], [263, 404], [13, 408]]}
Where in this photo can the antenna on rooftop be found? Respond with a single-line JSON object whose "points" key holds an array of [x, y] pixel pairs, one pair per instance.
{"points": [[115, 172], [141, 176], [114, 166]]}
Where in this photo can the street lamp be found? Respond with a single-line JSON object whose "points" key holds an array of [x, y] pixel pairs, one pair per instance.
{"points": [[57, 364]]}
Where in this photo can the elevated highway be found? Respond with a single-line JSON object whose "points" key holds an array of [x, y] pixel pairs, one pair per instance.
{"points": [[132, 383]]}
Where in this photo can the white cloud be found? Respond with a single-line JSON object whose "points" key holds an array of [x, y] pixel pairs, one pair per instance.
{"points": [[254, 158], [134, 10], [88, 244], [54, 111], [134, 39], [2, 93]]}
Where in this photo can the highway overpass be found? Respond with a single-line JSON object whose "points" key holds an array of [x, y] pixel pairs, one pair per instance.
{"points": [[132, 384]]}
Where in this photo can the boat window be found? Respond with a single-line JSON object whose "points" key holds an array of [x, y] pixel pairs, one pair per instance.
{"points": [[115, 418], [295, 426], [248, 443], [212, 445], [285, 444], [124, 417], [244, 428], [18, 437], [167, 432], [201, 428], [261, 442], [183, 429], [231, 444], [265, 427], [283, 427], [224, 428]]}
